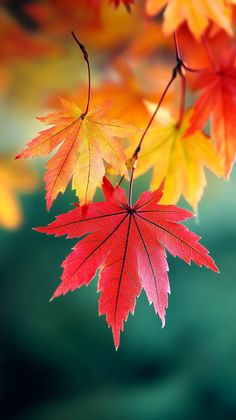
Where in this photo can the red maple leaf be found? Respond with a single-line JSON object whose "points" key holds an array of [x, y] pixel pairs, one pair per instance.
{"points": [[127, 244], [218, 101]]}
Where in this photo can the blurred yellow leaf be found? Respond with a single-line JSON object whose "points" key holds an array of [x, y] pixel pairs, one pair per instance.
{"points": [[197, 13], [15, 177], [181, 161]]}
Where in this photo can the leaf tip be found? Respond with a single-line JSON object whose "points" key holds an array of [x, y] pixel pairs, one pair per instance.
{"points": [[57, 293], [107, 187], [40, 229], [163, 322], [216, 269], [49, 202]]}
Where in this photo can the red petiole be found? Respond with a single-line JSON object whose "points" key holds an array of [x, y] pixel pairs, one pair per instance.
{"points": [[178, 70]]}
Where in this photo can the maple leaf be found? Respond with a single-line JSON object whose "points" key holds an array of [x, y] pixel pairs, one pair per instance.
{"points": [[15, 177], [196, 13], [149, 37], [218, 86], [127, 244], [179, 160], [217, 38], [85, 142]]}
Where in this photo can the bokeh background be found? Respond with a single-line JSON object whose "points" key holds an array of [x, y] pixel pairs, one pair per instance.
{"points": [[57, 360]]}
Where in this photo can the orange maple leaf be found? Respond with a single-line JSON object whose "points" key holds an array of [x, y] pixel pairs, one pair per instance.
{"points": [[85, 142]]}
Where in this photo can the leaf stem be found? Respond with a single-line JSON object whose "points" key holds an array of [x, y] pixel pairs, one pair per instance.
{"points": [[183, 98], [138, 148], [180, 60], [120, 181], [86, 58], [177, 50], [178, 70], [132, 182], [190, 69]]}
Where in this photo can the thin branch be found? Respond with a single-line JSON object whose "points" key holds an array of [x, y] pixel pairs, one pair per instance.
{"points": [[179, 59], [177, 51], [86, 58], [183, 99], [174, 75], [132, 181], [120, 181], [137, 150], [190, 69], [178, 70]]}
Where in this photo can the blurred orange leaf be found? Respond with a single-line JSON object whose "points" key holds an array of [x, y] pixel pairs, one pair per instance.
{"points": [[18, 43], [96, 23], [15, 177], [125, 91], [198, 14]]}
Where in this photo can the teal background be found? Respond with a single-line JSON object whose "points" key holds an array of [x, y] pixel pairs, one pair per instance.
{"points": [[57, 359]]}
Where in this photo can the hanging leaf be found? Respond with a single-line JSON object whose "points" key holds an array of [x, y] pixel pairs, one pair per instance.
{"points": [[127, 244], [180, 160], [218, 101], [86, 141]]}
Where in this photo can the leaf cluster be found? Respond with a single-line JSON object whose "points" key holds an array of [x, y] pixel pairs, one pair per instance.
{"points": [[127, 242]]}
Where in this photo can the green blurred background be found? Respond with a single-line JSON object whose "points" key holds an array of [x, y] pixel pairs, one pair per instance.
{"points": [[57, 360]]}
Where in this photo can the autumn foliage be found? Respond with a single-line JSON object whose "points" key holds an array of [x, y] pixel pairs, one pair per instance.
{"points": [[127, 243], [174, 115]]}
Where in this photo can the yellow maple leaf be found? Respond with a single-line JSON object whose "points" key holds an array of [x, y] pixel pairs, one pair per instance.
{"points": [[197, 14], [15, 178], [179, 160]]}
